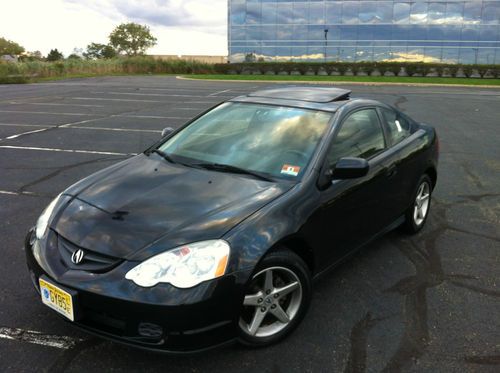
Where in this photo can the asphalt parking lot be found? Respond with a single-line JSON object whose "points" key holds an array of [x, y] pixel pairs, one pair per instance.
{"points": [[419, 304]]}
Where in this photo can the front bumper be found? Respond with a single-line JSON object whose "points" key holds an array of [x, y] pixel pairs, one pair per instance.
{"points": [[162, 318]]}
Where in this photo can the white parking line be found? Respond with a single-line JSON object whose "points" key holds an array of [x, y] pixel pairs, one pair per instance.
{"points": [[217, 93], [63, 150], [111, 129], [145, 94], [34, 337], [71, 125], [17, 193], [149, 116], [51, 104], [113, 99], [21, 125], [25, 133], [47, 112]]}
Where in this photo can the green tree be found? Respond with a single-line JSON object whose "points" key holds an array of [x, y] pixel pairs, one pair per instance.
{"points": [[98, 51], [74, 56], [132, 39], [54, 55], [9, 47]]}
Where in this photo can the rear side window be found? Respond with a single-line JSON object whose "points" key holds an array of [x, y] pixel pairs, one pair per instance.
{"points": [[398, 127], [360, 136]]}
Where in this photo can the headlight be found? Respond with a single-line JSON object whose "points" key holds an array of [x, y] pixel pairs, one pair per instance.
{"points": [[43, 220], [184, 266]]}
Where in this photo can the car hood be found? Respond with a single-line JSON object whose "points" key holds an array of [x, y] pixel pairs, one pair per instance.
{"points": [[122, 210]]}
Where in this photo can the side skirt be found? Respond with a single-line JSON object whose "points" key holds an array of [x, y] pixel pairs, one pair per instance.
{"points": [[349, 255]]}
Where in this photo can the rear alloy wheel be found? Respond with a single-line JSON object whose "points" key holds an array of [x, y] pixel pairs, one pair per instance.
{"points": [[417, 214], [276, 299]]}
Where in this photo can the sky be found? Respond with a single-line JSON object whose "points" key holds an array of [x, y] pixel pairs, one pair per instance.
{"points": [[181, 26]]}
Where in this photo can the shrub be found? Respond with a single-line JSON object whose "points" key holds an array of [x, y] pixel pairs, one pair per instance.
{"points": [[468, 70]]}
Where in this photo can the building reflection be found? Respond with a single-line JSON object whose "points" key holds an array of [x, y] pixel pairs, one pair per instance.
{"points": [[330, 30]]}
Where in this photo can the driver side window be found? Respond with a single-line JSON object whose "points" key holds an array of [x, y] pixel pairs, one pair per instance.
{"points": [[360, 136]]}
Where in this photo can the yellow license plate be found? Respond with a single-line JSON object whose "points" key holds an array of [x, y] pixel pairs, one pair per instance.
{"points": [[57, 299]]}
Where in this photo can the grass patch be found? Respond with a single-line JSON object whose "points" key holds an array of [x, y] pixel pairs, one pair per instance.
{"points": [[35, 71], [362, 79]]}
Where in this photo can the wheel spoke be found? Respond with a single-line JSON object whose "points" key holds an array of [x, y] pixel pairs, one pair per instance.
{"points": [[253, 299], [424, 198], [280, 314], [257, 319], [420, 213], [287, 289], [268, 281]]}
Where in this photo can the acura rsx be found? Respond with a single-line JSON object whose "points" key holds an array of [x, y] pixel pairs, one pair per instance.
{"points": [[215, 233]]}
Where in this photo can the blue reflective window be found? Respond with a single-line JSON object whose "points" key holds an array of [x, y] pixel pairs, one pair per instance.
{"points": [[237, 12], [253, 13], [436, 13], [269, 13], [375, 12], [238, 33], [454, 13], [450, 55], [486, 55], [284, 13], [365, 32], [300, 32], [334, 12], [470, 33], [488, 33], [468, 55], [316, 13], [348, 33], [299, 13], [350, 12], [491, 12], [472, 12], [299, 53], [284, 32], [401, 13], [253, 33], [268, 32], [418, 13]]}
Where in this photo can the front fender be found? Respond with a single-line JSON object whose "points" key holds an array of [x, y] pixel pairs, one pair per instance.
{"points": [[266, 228]]}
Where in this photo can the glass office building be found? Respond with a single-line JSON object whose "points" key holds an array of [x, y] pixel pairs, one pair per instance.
{"points": [[445, 31]]}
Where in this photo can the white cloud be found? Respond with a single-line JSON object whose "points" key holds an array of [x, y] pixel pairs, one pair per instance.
{"points": [[181, 26]]}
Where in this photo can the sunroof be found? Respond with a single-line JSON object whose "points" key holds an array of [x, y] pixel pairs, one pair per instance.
{"points": [[310, 94]]}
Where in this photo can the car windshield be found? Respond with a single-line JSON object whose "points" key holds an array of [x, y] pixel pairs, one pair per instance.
{"points": [[271, 140]]}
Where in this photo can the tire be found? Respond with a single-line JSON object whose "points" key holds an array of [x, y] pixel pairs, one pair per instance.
{"points": [[415, 221], [265, 302]]}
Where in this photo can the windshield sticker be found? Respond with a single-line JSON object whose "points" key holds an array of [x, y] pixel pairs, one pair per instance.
{"points": [[290, 170]]}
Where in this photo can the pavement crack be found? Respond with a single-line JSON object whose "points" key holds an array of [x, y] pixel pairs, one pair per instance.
{"points": [[356, 362], [483, 360], [67, 357], [23, 188]]}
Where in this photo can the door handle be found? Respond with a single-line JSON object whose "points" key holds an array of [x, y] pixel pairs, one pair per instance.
{"points": [[391, 170]]}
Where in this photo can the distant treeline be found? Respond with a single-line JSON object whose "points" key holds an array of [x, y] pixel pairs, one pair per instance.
{"points": [[22, 72]]}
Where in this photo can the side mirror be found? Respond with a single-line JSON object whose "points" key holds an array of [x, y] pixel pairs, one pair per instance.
{"points": [[166, 131], [349, 168]]}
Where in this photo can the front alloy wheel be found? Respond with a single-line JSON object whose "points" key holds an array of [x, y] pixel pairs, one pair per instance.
{"points": [[417, 213], [276, 299]]}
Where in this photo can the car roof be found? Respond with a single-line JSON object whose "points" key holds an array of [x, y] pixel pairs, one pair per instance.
{"points": [[319, 98]]}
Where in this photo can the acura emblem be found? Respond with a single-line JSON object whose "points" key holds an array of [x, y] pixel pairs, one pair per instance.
{"points": [[77, 256]]}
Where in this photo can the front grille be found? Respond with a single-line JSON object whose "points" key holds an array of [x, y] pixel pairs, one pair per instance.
{"points": [[91, 261]]}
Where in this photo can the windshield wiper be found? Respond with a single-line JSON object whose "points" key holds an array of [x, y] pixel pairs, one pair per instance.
{"points": [[163, 155], [232, 169]]}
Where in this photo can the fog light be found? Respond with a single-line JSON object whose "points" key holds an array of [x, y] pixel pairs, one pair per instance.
{"points": [[150, 330]]}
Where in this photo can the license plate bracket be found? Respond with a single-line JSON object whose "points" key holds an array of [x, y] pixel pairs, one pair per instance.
{"points": [[59, 298]]}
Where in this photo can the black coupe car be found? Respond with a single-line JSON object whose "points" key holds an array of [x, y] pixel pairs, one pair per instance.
{"points": [[215, 233]]}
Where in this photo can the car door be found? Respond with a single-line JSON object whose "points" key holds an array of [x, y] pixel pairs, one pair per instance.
{"points": [[398, 161], [351, 211]]}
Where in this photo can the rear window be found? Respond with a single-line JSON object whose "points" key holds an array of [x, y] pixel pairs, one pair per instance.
{"points": [[397, 125]]}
